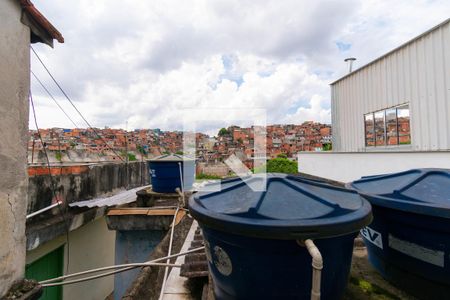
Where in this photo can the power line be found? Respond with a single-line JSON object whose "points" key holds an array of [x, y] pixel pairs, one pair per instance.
{"points": [[53, 98], [68, 98], [52, 183]]}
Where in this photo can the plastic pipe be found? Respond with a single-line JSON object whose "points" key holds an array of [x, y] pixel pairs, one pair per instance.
{"points": [[44, 209], [317, 264]]}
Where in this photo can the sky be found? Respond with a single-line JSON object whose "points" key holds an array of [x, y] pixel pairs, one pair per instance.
{"points": [[163, 64]]}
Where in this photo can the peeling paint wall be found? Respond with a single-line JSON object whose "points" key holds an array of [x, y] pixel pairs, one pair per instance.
{"points": [[14, 86]]}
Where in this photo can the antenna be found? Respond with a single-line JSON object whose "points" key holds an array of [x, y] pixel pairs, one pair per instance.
{"points": [[350, 61]]}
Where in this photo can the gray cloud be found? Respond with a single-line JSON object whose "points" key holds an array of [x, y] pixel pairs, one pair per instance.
{"points": [[141, 60]]}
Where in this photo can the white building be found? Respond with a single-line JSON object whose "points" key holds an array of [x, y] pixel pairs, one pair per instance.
{"points": [[391, 114]]}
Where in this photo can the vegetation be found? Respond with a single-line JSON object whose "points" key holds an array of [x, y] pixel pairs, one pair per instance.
{"points": [[282, 155], [327, 147], [58, 156], [371, 290], [141, 149], [223, 131], [179, 152], [131, 157], [207, 176], [279, 165]]}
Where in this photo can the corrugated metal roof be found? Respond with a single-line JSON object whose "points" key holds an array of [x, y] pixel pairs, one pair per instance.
{"points": [[118, 199]]}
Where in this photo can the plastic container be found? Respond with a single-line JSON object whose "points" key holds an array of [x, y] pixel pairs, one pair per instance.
{"points": [[409, 239], [253, 239], [165, 173]]}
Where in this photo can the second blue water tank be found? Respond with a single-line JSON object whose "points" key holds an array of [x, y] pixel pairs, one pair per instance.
{"points": [[165, 173]]}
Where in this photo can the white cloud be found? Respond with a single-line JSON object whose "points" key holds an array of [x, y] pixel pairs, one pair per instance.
{"points": [[142, 61]]}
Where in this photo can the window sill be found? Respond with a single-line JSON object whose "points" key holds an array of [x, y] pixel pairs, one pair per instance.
{"points": [[389, 148]]}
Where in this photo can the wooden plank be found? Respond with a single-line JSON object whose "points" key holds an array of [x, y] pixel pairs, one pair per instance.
{"points": [[146, 211], [127, 211], [180, 215], [161, 212]]}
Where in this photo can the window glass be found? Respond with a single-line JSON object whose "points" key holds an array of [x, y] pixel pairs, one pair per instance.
{"points": [[404, 132], [391, 127], [379, 128], [368, 121]]}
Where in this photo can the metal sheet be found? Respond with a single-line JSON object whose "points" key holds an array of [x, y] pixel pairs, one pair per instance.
{"points": [[417, 73], [117, 199]]}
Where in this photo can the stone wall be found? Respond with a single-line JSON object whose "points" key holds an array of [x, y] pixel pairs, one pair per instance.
{"points": [[82, 182], [14, 87]]}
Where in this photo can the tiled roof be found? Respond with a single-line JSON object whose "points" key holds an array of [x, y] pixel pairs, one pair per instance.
{"points": [[40, 21]]}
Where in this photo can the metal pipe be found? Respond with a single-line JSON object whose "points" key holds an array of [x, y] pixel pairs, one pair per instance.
{"points": [[183, 202], [43, 210], [317, 264], [350, 61]]}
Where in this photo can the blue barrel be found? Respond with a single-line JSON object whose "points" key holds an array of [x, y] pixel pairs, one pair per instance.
{"points": [[253, 239], [165, 173], [408, 241]]}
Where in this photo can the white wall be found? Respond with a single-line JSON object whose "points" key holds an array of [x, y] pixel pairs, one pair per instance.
{"points": [[346, 167], [417, 73], [91, 246], [14, 86]]}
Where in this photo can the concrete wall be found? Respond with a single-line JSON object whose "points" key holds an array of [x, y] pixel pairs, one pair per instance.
{"points": [[91, 246], [14, 87], [83, 182], [346, 167], [417, 73], [133, 246]]}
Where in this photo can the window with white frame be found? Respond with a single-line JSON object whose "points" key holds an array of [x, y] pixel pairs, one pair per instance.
{"points": [[388, 127]]}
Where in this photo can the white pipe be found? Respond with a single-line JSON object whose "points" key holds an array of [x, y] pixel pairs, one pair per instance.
{"points": [[44, 209], [132, 265], [182, 186], [166, 270], [317, 264]]}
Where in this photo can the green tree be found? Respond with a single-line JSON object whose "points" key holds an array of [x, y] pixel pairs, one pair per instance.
{"points": [[279, 165], [131, 157], [179, 152], [58, 156], [327, 147], [282, 155], [223, 131]]}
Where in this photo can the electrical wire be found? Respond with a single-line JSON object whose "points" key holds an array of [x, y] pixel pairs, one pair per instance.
{"points": [[73, 105], [105, 274], [53, 98], [52, 183], [122, 268]]}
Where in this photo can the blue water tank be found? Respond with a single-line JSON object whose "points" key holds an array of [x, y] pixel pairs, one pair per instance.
{"points": [[165, 173], [409, 239], [253, 238]]}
